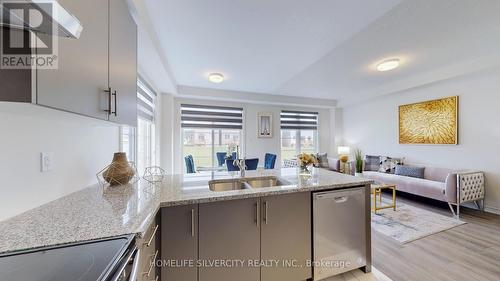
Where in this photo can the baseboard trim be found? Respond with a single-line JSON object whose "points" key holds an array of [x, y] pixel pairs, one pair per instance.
{"points": [[492, 210]]}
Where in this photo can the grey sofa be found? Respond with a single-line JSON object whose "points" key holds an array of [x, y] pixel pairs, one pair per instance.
{"points": [[438, 183], [448, 185]]}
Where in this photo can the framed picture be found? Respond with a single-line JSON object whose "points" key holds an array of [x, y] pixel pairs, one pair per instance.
{"points": [[429, 122], [265, 125]]}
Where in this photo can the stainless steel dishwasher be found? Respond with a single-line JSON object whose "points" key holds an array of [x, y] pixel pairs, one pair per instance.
{"points": [[339, 232]]}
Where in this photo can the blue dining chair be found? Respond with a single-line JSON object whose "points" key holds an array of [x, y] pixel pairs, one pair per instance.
{"points": [[189, 164], [269, 161], [230, 166], [252, 163], [221, 158]]}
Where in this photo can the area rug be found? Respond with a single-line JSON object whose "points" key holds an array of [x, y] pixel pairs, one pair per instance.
{"points": [[409, 223]]}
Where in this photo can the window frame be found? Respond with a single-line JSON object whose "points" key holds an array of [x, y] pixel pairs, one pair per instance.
{"points": [[213, 132], [132, 145], [151, 127], [148, 106], [298, 147], [298, 133]]}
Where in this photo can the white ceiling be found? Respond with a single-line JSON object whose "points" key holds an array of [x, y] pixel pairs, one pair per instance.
{"points": [[323, 48], [435, 40], [150, 64]]}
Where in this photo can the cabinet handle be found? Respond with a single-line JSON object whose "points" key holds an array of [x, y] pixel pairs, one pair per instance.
{"points": [[153, 261], [152, 236], [192, 222], [257, 214], [108, 91], [114, 95], [266, 220]]}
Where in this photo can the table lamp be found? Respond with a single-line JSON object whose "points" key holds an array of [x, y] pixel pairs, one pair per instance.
{"points": [[343, 152]]}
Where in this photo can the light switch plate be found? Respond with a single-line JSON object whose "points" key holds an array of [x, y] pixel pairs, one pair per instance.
{"points": [[46, 161]]}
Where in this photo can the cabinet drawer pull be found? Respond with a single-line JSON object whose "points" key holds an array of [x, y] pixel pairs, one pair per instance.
{"points": [[153, 261], [192, 223], [257, 214], [266, 220], [152, 237]]}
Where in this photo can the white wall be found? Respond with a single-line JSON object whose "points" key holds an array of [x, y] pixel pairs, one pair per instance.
{"points": [[253, 146], [373, 127], [81, 147], [256, 147], [167, 127]]}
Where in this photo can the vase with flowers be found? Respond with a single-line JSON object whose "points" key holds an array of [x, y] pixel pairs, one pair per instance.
{"points": [[305, 162], [231, 149]]}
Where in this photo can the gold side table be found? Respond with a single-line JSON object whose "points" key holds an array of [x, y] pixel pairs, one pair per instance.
{"points": [[376, 190]]}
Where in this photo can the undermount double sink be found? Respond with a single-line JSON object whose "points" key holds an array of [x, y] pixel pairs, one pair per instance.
{"points": [[246, 183]]}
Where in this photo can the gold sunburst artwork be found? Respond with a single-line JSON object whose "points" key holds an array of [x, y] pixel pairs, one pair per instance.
{"points": [[429, 122]]}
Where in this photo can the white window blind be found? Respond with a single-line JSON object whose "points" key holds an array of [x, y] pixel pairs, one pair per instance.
{"points": [[211, 117], [145, 100], [299, 120]]}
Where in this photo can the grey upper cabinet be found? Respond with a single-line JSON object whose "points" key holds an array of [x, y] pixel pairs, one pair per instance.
{"points": [[16, 84], [97, 73], [286, 236], [82, 76], [122, 63], [179, 241], [229, 230]]}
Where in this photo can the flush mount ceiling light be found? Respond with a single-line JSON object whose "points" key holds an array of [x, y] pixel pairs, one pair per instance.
{"points": [[388, 65], [215, 77]]}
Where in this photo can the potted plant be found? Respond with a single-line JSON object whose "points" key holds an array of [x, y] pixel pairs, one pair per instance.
{"points": [[358, 156]]}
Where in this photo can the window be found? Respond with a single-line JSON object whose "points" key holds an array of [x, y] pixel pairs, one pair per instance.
{"points": [[127, 142], [139, 143], [146, 137], [299, 134], [207, 130]]}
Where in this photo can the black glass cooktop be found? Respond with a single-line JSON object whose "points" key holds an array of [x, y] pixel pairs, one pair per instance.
{"points": [[78, 262]]}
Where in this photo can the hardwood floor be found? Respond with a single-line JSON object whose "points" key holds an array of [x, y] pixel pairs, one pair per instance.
{"points": [[468, 252], [358, 275]]}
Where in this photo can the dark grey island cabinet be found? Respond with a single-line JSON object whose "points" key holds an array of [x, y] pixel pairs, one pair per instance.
{"points": [[232, 239], [179, 242], [149, 252], [286, 236], [230, 231]]}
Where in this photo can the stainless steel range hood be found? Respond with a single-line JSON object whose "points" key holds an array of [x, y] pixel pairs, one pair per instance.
{"points": [[57, 20]]}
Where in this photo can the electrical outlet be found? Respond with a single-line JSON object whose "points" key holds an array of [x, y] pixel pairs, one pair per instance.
{"points": [[46, 161]]}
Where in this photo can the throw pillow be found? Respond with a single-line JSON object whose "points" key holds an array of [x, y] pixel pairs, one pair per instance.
{"points": [[388, 164], [409, 171], [372, 163], [322, 160]]}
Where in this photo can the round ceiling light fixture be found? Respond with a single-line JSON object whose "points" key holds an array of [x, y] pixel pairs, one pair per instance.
{"points": [[387, 65], [215, 77]]}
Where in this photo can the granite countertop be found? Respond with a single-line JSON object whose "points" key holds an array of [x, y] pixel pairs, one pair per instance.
{"points": [[96, 212]]}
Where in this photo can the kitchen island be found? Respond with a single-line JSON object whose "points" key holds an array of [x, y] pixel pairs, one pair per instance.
{"points": [[97, 212]]}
